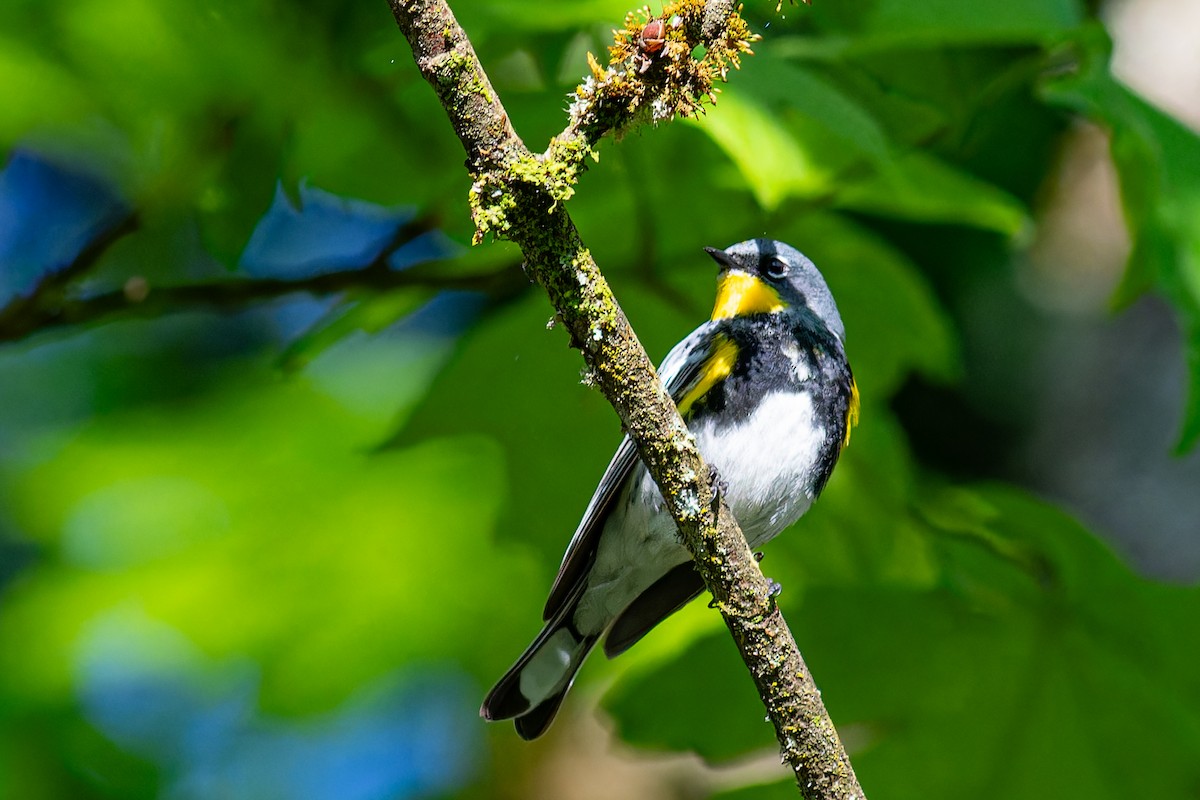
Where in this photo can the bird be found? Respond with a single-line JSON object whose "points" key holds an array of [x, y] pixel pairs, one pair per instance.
{"points": [[767, 391]]}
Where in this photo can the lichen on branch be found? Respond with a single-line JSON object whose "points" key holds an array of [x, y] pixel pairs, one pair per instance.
{"points": [[495, 193], [659, 67]]}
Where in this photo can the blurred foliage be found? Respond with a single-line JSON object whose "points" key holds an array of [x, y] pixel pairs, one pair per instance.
{"points": [[278, 549]]}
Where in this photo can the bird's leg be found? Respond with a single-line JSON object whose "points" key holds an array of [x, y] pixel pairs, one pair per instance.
{"points": [[718, 487], [774, 588]]}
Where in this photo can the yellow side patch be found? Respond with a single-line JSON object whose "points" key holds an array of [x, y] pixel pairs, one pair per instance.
{"points": [[740, 293], [851, 412], [716, 369]]}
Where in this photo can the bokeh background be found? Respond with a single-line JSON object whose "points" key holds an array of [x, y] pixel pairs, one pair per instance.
{"points": [[286, 467]]}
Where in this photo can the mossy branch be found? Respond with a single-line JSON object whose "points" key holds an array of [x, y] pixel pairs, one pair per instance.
{"points": [[652, 75]]}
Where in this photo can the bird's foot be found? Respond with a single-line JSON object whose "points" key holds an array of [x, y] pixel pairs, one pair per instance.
{"points": [[718, 487], [774, 589]]}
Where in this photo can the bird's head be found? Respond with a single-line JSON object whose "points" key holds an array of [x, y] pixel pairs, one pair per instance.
{"points": [[764, 276]]}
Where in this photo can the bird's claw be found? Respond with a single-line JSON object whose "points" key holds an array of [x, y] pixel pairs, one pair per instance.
{"points": [[715, 483], [718, 488]]}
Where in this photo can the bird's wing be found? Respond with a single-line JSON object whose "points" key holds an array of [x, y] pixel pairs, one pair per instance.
{"points": [[680, 372], [663, 598]]}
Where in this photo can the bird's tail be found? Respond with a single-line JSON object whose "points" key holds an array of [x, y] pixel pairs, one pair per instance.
{"points": [[533, 689]]}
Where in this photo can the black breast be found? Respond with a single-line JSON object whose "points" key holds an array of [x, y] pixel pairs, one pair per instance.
{"points": [[767, 346]]}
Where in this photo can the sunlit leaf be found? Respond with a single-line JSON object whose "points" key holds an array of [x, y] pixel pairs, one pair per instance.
{"points": [[36, 91], [773, 82], [790, 133], [923, 188], [772, 162], [328, 512]]}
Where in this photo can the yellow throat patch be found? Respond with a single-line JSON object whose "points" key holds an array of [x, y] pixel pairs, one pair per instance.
{"points": [[740, 293]]}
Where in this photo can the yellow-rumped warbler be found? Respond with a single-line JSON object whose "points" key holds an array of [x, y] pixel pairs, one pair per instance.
{"points": [[767, 391]]}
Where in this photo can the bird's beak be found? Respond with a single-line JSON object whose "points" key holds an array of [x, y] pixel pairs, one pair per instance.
{"points": [[721, 257]]}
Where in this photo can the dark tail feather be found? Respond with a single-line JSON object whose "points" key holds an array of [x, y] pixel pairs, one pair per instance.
{"points": [[534, 722], [505, 700], [665, 596], [548, 668]]}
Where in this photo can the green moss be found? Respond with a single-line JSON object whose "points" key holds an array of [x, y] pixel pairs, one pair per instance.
{"points": [[491, 200], [480, 88], [451, 67], [552, 174], [529, 179]]}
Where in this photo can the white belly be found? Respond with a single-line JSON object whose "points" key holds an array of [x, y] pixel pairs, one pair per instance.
{"points": [[769, 463], [769, 469]]}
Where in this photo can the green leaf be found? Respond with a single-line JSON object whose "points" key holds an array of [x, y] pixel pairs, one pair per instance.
{"points": [[510, 15], [37, 92], [909, 119], [923, 188], [679, 706], [790, 132], [257, 525], [518, 384], [1052, 671], [772, 162], [369, 314], [1158, 163], [781, 84], [896, 23], [1043, 664], [865, 273]]}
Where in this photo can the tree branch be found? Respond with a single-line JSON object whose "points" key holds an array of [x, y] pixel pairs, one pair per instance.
{"points": [[519, 196], [51, 304], [25, 313]]}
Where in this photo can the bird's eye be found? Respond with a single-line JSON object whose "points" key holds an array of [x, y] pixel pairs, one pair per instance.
{"points": [[777, 268]]}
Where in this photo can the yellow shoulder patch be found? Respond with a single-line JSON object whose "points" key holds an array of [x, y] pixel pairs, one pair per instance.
{"points": [[851, 411], [740, 293], [716, 369]]}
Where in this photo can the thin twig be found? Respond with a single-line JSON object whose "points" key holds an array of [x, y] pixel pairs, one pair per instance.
{"points": [[140, 300], [52, 305], [23, 314]]}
